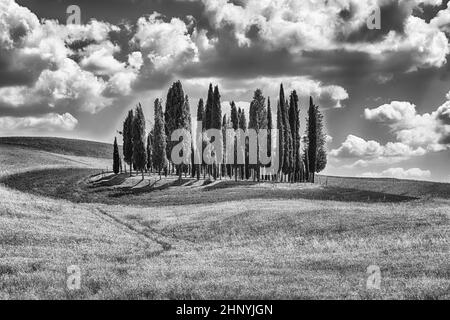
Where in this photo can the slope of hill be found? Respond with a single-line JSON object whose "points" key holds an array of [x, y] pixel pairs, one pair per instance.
{"points": [[410, 188], [72, 147], [283, 247]]}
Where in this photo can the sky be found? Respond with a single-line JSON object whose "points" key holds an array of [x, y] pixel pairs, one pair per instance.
{"points": [[385, 93]]}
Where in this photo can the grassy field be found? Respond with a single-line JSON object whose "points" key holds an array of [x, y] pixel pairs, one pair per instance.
{"points": [[62, 146], [166, 239]]}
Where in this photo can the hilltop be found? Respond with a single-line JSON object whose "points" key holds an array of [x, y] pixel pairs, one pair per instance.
{"points": [[71, 147]]}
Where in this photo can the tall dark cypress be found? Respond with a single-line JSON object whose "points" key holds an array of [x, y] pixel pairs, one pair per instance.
{"points": [[216, 116], [175, 117], [288, 153], [258, 120], [209, 108], [312, 140], [269, 129], [242, 120], [294, 121], [321, 159], [184, 122], [201, 117], [150, 149], [280, 146], [116, 158], [201, 113], [160, 161], [235, 126], [243, 126], [139, 138], [128, 139], [225, 126], [234, 116]]}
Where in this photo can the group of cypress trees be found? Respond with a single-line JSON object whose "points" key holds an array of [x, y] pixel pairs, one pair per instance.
{"points": [[299, 157]]}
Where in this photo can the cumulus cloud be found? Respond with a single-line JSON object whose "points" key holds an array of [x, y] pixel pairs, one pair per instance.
{"points": [[325, 95], [400, 173], [49, 122], [356, 147], [165, 44], [416, 135], [430, 131], [302, 26], [48, 67]]}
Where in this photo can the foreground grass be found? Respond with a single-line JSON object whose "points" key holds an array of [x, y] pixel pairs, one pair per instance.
{"points": [[271, 245], [40, 238], [301, 249]]}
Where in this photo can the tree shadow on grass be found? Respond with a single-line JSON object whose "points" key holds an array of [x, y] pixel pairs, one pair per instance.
{"points": [[71, 184], [109, 181], [151, 187], [228, 184]]}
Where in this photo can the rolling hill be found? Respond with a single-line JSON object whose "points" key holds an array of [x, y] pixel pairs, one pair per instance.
{"points": [[72, 147], [162, 239]]}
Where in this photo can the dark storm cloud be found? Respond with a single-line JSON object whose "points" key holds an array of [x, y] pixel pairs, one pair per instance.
{"points": [[428, 12], [25, 110], [114, 11], [230, 60], [393, 18], [13, 73]]}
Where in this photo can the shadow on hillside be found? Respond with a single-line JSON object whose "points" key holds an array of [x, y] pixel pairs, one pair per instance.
{"points": [[108, 181], [73, 185], [228, 184], [151, 187]]}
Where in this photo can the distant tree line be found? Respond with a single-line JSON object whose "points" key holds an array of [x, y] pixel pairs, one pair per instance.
{"points": [[299, 156]]}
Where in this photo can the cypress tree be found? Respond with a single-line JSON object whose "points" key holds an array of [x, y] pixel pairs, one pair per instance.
{"points": [[209, 108], [243, 127], [224, 165], [201, 117], [116, 158], [242, 120], [201, 113], [321, 158], [150, 149], [175, 117], [216, 123], [281, 131], [258, 120], [288, 153], [269, 129], [159, 146], [235, 126], [294, 120], [128, 139], [184, 122], [234, 116], [216, 116], [139, 150], [312, 140]]}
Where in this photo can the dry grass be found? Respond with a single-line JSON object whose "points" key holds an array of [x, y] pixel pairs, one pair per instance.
{"points": [[234, 241]]}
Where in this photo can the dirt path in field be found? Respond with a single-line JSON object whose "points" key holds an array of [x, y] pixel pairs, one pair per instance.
{"points": [[148, 234], [156, 238]]}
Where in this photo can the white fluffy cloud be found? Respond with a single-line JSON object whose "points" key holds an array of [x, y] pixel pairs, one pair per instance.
{"points": [[327, 96], [416, 135], [430, 131], [165, 44], [309, 25], [356, 147], [68, 87], [400, 173], [48, 122]]}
